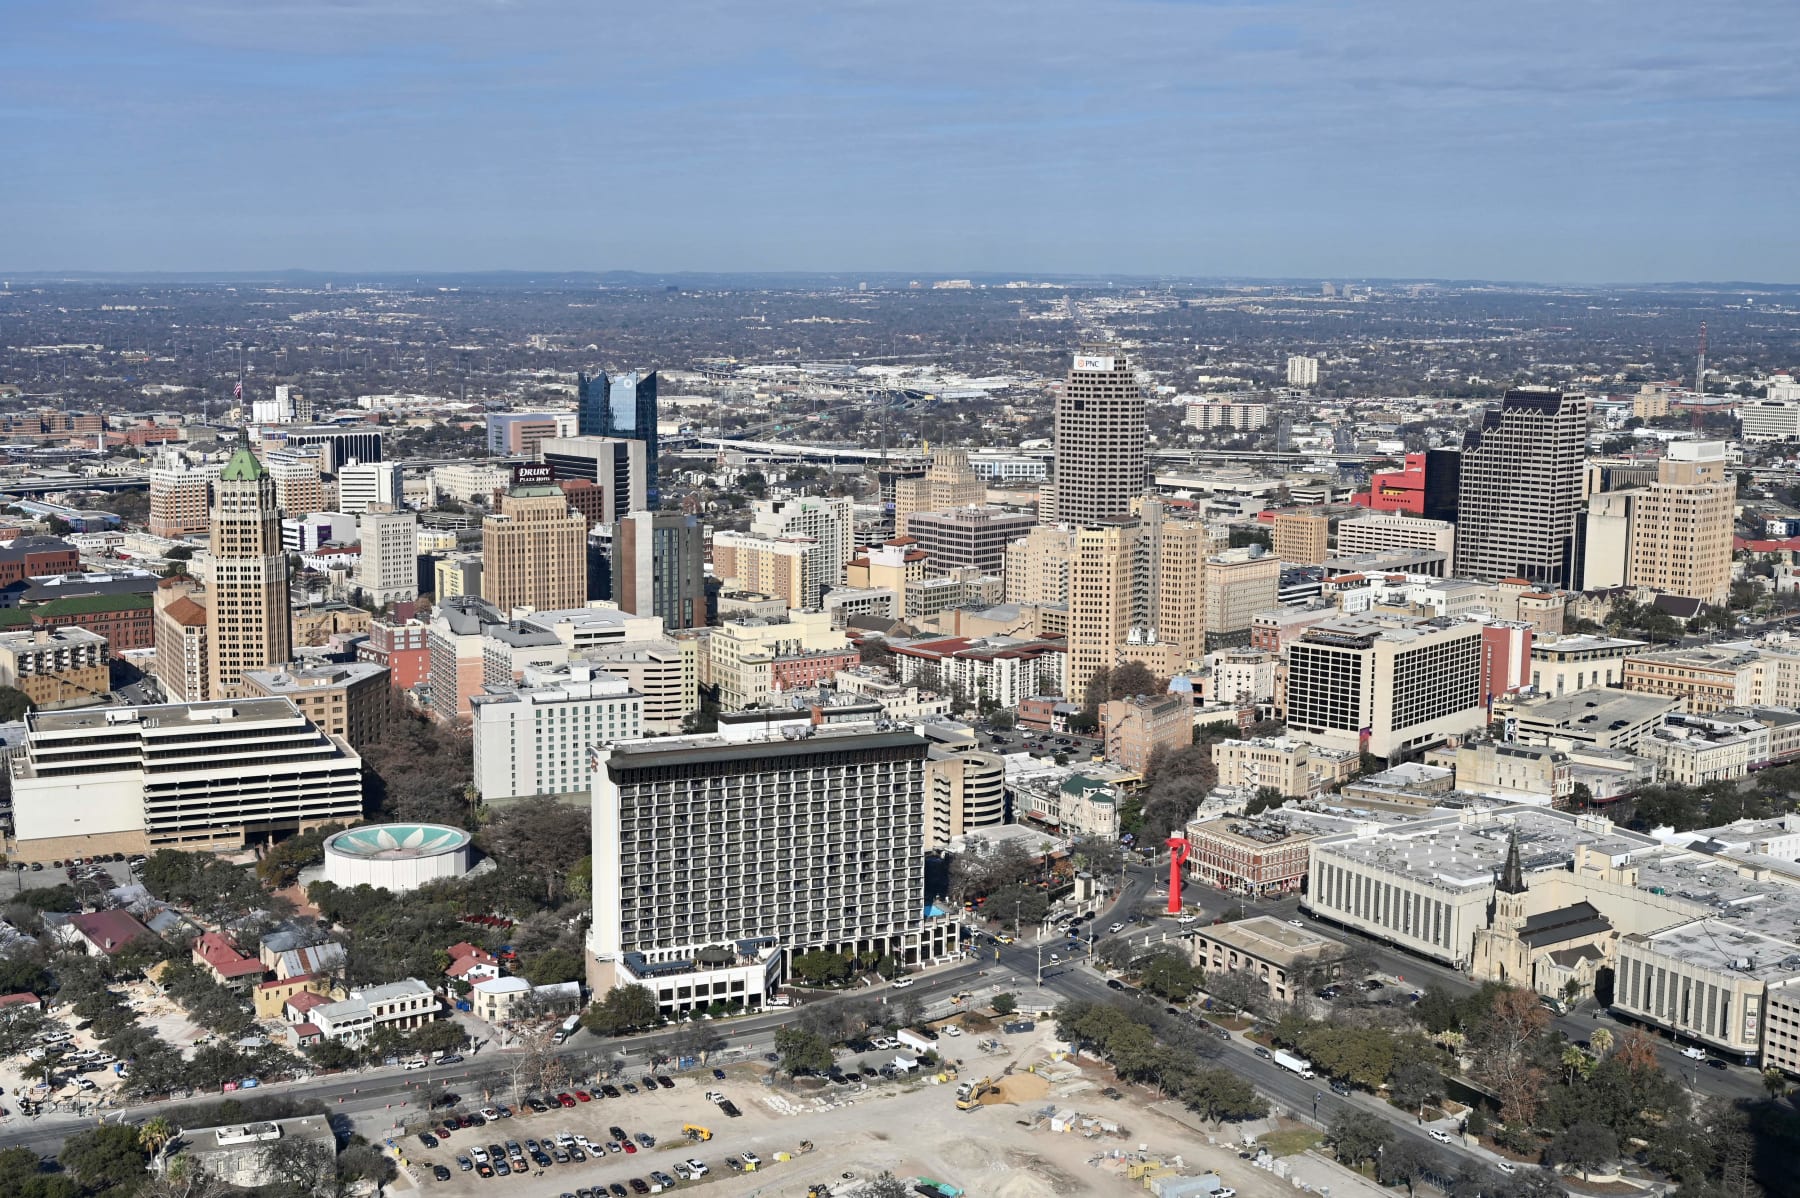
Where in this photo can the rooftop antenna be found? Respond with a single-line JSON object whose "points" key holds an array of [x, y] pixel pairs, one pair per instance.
{"points": [[1700, 366]]}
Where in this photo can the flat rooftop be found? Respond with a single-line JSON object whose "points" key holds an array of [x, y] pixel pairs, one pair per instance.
{"points": [[1594, 709], [161, 715], [1270, 939], [1464, 852], [1583, 643]]}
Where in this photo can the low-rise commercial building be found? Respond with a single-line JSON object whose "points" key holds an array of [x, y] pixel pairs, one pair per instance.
{"points": [[1247, 856], [63, 667], [1295, 768], [408, 1003], [1708, 677], [1573, 663], [1284, 957]]}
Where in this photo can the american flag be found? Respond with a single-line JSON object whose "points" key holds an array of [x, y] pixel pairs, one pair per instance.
{"points": [[237, 392]]}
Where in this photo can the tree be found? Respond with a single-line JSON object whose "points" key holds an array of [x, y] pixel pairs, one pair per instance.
{"points": [[802, 1052], [299, 1166], [1414, 1083], [1238, 990], [14, 703], [887, 1186], [1357, 1136], [154, 1134], [1502, 1046], [625, 1008], [1402, 1161], [1219, 1094], [107, 1158], [553, 966], [543, 839], [819, 967], [1167, 973], [1585, 1145], [697, 1039], [1005, 1004]]}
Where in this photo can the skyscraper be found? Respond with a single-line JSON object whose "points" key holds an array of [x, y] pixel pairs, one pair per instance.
{"points": [[388, 571], [617, 465], [659, 568], [1100, 439], [534, 553], [1520, 490], [247, 597], [622, 405]]}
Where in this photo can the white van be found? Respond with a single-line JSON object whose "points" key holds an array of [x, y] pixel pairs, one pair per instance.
{"points": [[778, 1000], [1694, 1054]]}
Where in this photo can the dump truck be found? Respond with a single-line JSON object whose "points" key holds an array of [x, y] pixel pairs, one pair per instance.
{"points": [[696, 1133], [970, 1094]]}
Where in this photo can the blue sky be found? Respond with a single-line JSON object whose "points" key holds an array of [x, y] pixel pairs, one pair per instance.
{"points": [[1557, 140]]}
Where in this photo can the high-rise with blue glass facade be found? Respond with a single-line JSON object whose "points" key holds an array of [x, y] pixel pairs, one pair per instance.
{"points": [[623, 405]]}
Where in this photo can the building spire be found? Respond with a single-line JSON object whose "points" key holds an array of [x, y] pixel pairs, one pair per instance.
{"points": [[1512, 874]]}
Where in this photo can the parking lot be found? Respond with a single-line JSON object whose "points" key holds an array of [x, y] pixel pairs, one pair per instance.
{"points": [[842, 1134]]}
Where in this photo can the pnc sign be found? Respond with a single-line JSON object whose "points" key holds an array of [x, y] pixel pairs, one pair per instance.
{"points": [[1090, 362]]}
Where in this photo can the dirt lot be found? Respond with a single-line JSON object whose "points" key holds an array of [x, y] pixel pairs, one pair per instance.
{"points": [[910, 1129]]}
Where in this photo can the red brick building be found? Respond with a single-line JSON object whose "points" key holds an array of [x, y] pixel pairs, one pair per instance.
{"points": [[29, 557], [810, 669], [401, 648]]}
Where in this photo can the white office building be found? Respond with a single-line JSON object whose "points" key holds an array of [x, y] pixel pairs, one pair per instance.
{"points": [[388, 571], [362, 485], [533, 739]]}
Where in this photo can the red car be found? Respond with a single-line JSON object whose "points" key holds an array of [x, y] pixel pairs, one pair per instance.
{"points": [[566, 1099], [584, 1096], [628, 1146]]}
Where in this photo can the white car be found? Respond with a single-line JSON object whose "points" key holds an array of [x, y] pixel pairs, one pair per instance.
{"points": [[902, 983], [586, 1144], [1225, 1192], [749, 1158], [1186, 919], [490, 1114], [1116, 928], [1506, 1167], [1296, 923], [479, 1154], [1441, 1136], [699, 1168], [952, 1031], [1056, 956]]}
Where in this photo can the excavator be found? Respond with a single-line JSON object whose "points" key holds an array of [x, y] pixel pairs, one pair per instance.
{"points": [[696, 1133], [970, 1094]]}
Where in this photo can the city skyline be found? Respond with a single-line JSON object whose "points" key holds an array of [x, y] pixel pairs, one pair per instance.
{"points": [[1207, 139]]}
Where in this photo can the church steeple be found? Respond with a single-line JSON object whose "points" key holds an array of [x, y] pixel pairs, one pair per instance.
{"points": [[1512, 874]]}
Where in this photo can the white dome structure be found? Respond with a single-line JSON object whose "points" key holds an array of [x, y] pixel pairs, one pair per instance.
{"points": [[396, 857]]}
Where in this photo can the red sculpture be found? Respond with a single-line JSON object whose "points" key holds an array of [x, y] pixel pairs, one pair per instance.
{"points": [[1178, 855]]}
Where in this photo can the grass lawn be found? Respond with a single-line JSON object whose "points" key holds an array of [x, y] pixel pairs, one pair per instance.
{"points": [[1287, 1143]]}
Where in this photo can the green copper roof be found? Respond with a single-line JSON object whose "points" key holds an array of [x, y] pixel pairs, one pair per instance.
{"points": [[242, 468]]}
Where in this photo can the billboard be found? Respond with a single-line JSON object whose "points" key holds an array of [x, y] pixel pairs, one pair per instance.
{"points": [[532, 474], [1090, 362]]}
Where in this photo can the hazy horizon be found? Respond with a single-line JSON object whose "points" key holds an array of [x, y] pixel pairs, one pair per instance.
{"points": [[1540, 143]]}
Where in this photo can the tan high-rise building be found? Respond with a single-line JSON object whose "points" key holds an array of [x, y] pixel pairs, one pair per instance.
{"points": [[1100, 439], [1239, 584], [1138, 590], [298, 487], [948, 483], [534, 553], [772, 566], [1681, 525], [247, 597], [1302, 538], [1037, 566], [1102, 594], [180, 500]]}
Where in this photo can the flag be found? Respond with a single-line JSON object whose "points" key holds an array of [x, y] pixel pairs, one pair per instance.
{"points": [[237, 392]]}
